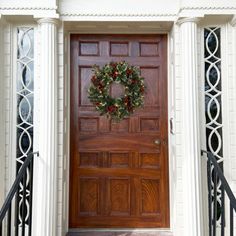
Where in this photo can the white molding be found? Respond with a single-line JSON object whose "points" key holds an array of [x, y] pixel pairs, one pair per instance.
{"points": [[171, 136], [151, 14], [207, 8], [45, 180], [122, 17], [27, 8], [191, 139], [67, 128], [118, 14]]}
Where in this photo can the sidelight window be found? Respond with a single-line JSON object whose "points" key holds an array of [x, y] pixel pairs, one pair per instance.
{"points": [[213, 100], [25, 105]]}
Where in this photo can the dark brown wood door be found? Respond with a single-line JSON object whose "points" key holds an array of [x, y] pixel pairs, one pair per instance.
{"points": [[118, 174]]}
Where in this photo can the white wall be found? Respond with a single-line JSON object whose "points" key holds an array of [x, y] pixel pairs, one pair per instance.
{"points": [[7, 85], [208, 4], [202, 122], [27, 4], [61, 175], [229, 97], [2, 120], [179, 222], [118, 7]]}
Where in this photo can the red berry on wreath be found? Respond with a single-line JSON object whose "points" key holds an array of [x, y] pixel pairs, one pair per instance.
{"points": [[126, 100], [94, 79], [142, 89], [128, 72], [115, 74], [111, 108]]}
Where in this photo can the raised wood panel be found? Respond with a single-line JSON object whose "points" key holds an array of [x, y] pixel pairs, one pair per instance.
{"points": [[149, 124], [89, 196], [149, 160], [119, 196], [118, 127], [119, 159], [150, 197], [88, 125], [89, 48], [149, 49], [85, 74], [151, 75], [119, 49], [88, 159], [141, 142]]}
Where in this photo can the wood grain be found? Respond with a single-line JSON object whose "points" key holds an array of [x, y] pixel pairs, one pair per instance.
{"points": [[118, 175]]}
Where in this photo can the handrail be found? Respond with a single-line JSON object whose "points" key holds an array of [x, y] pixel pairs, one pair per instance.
{"points": [[21, 176], [217, 173]]}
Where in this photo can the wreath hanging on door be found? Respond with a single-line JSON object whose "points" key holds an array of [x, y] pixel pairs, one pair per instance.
{"points": [[121, 73]]}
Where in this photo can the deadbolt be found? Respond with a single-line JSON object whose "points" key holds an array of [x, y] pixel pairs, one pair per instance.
{"points": [[157, 141]]}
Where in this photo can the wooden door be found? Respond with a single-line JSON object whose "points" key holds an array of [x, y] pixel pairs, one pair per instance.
{"points": [[118, 175]]}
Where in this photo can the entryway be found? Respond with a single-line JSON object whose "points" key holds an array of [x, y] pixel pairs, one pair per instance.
{"points": [[119, 171]]}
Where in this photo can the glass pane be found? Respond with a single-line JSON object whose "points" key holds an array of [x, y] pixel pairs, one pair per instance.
{"points": [[213, 110]]}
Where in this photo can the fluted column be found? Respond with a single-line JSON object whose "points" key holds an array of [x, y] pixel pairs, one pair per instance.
{"points": [[191, 142], [45, 181]]}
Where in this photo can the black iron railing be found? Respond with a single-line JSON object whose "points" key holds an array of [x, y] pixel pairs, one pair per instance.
{"points": [[214, 176], [22, 191]]}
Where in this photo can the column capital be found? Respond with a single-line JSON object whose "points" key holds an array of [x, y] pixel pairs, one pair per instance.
{"points": [[180, 21], [48, 21], [233, 21]]}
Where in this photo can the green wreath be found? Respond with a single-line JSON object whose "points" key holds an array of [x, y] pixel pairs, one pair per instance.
{"points": [[121, 73]]}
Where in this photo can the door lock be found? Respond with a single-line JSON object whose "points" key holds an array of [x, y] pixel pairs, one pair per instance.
{"points": [[157, 142]]}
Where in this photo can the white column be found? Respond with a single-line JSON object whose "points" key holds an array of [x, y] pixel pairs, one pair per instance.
{"points": [[191, 140], [45, 178]]}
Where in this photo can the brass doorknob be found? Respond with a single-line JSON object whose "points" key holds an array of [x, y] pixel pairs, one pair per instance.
{"points": [[157, 141]]}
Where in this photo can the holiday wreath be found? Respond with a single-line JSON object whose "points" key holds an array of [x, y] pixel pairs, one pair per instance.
{"points": [[121, 73]]}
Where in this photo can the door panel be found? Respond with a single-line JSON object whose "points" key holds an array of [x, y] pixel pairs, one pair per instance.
{"points": [[118, 174]]}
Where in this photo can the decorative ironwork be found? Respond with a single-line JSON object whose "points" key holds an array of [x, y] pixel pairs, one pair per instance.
{"points": [[225, 192], [213, 110], [25, 101], [6, 210]]}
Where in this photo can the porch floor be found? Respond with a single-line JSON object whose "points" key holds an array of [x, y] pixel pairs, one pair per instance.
{"points": [[121, 233]]}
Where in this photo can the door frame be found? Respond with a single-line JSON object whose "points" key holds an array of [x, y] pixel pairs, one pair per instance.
{"points": [[170, 115]]}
